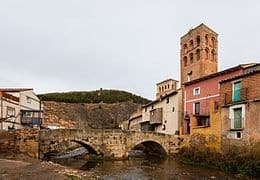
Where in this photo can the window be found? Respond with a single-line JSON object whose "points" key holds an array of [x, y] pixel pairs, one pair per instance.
{"points": [[191, 57], [239, 135], [207, 39], [207, 53], [10, 111], [213, 42], [197, 108], [198, 40], [167, 100], [236, 91], [185, 61], [28, 99], [196, 91], [185, 47], [173, 109], [168, 86], [191, 43], [203, 121], [237, 116], [212, 55], [159, 89], [198, 54], [164, 127]]}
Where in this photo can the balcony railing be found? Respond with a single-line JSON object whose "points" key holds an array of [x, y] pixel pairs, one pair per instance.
{"points": [[31, 121], [202, 112], [236, 96]]}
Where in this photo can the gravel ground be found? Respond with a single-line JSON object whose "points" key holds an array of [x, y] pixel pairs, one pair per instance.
{"points": [[25, 168]]}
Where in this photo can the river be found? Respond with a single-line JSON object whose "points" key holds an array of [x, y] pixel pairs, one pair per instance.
{"points": [[145, 168]]}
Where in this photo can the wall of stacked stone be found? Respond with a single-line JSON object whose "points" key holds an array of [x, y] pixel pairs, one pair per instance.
{"points": [[20, 141], [7, 142]]}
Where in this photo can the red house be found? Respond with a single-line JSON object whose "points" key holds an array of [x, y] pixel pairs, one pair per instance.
{"points": [[201, 92]]}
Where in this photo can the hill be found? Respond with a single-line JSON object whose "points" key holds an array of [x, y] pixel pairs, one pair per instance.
{"points": [[98, 96], [93, 109]]}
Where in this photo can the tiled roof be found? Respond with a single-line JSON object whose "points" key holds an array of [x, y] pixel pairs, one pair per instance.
{"points": [[14, 89], [170, 79], [241, 66], [158, 100], [241, 75]]}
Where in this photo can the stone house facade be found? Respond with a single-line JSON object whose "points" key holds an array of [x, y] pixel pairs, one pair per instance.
{"points": [[240, 105], [19, 108], [162, 115]]}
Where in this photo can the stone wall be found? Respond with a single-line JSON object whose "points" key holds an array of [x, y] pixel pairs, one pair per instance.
{"points": [[20, 141]]}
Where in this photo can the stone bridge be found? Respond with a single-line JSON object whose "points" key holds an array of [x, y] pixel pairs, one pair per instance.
{"points": [[115, 143]]}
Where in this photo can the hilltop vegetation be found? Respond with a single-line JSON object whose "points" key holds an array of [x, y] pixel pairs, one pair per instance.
{"points": [[104, 96]]}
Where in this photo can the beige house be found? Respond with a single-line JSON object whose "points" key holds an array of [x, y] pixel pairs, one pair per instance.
{"points": [[161, 115], [19, 108]]}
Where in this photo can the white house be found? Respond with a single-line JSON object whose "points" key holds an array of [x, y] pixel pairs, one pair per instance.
{"points": [[19, 108], [161, 115]]}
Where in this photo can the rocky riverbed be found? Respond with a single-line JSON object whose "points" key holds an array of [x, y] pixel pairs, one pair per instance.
{"points": [[25, 168]]}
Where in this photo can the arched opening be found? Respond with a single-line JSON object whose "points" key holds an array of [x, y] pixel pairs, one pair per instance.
{"points": [[148, 148], [198, 54], [207, 39], [212, 55], [191, 43], [185, 61], [198, 40], [191, 58], [207, 53], [213, 42], [185, 48], [70, 152], [90, 149]]}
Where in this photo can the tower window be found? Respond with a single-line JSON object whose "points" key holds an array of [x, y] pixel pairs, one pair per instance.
{"points": [[185, 61], [159, 89], [212, 55], [185, 47], [207, 39], [168, 86], [213, 42], [191, 43], [198, 40], [198, 54], [207, 53], [191, 57]]}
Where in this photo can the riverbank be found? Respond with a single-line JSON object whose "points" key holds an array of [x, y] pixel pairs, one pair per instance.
{"points": [[26, 168], [234, 161]]}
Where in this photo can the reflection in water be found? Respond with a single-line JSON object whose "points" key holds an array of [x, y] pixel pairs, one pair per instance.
{"points": [[145, 168]]}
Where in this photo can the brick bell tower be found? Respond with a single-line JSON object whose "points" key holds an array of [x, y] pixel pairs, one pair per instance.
{"points": [[199, 53]]}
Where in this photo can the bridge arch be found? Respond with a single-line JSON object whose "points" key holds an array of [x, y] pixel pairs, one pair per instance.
{"points": [[149, 146], [90, 148]]}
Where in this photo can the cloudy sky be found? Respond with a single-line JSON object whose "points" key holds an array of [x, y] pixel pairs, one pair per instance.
{"points": [[65, 45]]}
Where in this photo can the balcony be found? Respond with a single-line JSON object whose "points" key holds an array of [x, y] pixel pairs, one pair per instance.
{"points": [[31, 117], [156, 116], [231, 97], [31, 121]]}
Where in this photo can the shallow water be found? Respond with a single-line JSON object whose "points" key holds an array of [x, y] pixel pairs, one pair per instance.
{"points": [[145, 168]]}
